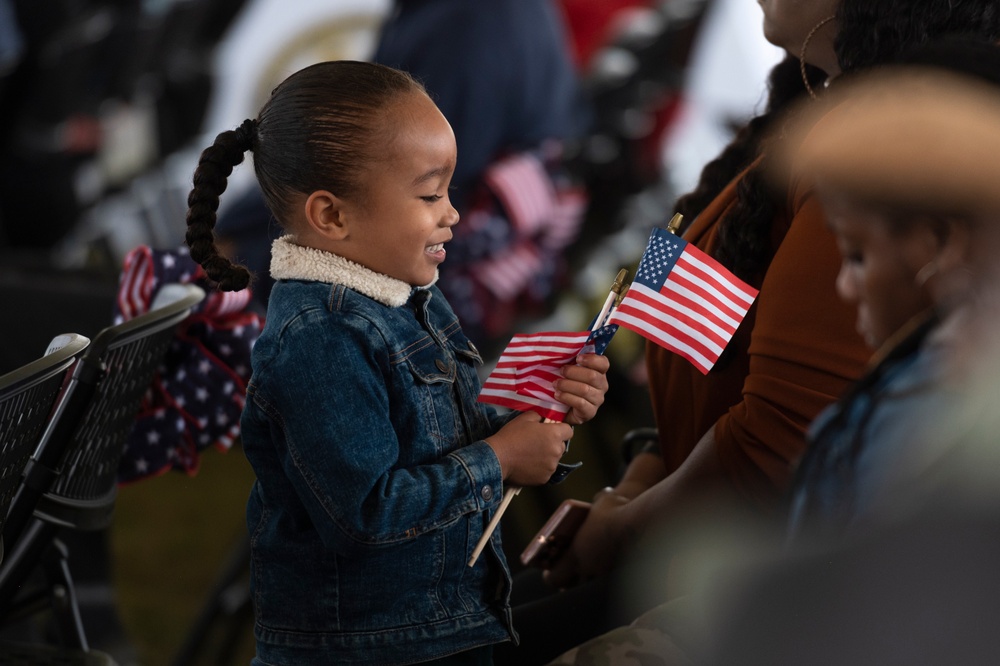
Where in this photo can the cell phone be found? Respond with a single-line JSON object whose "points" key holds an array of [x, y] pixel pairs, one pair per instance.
{"points": [[556, 534]]}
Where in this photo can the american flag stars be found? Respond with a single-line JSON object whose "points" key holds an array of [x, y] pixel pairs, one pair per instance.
{"points": [[198, 394]]}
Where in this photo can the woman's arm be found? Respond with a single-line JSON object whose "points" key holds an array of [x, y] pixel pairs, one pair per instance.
{"points": [[616, 519]]}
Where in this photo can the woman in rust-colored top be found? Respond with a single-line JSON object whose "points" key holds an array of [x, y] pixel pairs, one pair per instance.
{"points": [[731, 438]]}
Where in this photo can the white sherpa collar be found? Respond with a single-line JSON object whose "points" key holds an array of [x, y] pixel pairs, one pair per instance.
{"points": [[297, 262]]}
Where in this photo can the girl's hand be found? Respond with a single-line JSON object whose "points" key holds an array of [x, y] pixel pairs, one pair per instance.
{"points": [[583, 387], [529, 449], [597, 544]]}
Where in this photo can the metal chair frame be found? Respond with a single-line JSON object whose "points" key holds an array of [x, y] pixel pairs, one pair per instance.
{"points": [[70, 482], [27, 396]]}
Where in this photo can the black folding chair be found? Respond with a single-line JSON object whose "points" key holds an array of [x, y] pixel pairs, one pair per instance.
{"points": [[70, 482], [27, 396]]}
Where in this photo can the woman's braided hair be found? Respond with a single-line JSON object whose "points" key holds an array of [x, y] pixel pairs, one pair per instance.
{"points": [[317, 131], [870, 34]]}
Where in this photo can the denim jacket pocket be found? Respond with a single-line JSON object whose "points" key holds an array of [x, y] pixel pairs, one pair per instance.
{"points": [[432, 372], [432, 365]]}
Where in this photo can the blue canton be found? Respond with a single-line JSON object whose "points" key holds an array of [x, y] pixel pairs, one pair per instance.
{"points": [[658, 260]]}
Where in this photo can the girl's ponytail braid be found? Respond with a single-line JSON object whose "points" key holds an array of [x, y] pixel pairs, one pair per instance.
{"points": [[214, 167]]}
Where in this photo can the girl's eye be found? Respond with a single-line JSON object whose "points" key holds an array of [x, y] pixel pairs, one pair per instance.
{"points": [[432, 198]]}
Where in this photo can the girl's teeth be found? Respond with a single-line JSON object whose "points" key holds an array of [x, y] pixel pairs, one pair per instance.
{"points": [[435, 248]]}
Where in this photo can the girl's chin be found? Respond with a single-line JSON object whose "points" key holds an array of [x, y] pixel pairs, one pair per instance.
{"points": [[430, 282]]}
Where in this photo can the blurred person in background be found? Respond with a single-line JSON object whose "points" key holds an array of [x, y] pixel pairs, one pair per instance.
{"points": [[893, 536], [905, 161], [506, 82], [731, 438], [92, 94], [917, 227], [48, 116]]}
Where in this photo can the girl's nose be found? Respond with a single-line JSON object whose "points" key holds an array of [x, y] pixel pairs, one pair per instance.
{"points": [[451, 216]]}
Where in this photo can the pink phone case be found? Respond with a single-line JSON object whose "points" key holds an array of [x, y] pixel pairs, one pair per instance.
{"points": [[555, 535]]}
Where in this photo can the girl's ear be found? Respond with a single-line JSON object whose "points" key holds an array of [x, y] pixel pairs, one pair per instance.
{"points": [[325, 215], [954, 260]]}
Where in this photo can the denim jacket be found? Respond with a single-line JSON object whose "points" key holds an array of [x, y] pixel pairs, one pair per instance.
{"points": [[865, 448], [373, 483]]}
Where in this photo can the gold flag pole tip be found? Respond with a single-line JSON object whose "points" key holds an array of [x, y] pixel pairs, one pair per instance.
{"points": [[616, 286], [675, 223]]}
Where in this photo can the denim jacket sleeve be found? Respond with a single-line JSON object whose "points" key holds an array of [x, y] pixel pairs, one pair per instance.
{"points": [[377, 455]]}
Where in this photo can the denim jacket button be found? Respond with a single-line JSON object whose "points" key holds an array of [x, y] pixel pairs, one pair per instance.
{"points": [[487, 493], [441, 365]]}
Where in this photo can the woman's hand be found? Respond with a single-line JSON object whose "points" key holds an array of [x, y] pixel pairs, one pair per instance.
{"points": [[583, 387], [597, 545]]}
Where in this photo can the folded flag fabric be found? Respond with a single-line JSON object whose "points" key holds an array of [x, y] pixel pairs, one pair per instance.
{"points": [[522, 379], [684, 300], [197, 395]]}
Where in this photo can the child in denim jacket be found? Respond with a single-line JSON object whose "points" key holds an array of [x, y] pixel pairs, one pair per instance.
{"points": [[377, 470]]}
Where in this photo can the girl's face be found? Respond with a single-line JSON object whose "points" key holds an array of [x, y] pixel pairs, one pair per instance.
{"points": [[879, 267], [788, 22], [400, 223]]}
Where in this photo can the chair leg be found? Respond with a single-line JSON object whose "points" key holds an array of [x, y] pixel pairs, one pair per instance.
{"points": [[63, 595], [21, 559], [38, 546], [229, 601]]}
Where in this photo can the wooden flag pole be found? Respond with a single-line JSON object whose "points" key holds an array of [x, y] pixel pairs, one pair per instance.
{"points": [[509, 494]]}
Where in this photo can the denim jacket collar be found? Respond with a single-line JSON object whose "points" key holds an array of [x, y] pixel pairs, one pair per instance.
{"points": [[297, 262]]}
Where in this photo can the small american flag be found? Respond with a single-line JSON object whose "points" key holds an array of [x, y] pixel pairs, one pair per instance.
{"points": [[522, 379], [684, 301]]}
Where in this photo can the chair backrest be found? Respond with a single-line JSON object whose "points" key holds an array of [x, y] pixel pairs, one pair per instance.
{"points": [[83, 444], [27, 396]]}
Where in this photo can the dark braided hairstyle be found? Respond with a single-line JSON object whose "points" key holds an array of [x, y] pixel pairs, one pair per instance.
{"points": [[871, 33], [317, 131]]}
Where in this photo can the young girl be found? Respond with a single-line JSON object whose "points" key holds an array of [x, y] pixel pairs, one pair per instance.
{"points": [[377, 470]]}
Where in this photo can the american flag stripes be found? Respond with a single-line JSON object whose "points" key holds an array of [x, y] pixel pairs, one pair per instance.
{"points": [[543, 218], [683, 300], [524, 189], [522, 379]]}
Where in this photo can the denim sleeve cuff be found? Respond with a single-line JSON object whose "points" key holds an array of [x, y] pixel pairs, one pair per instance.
{"points": [[485, 476]]}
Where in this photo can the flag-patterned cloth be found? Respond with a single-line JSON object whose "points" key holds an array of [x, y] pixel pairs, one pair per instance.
{"points": [[684, 300], [523, 377], [198, 392], [509, 254]]}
